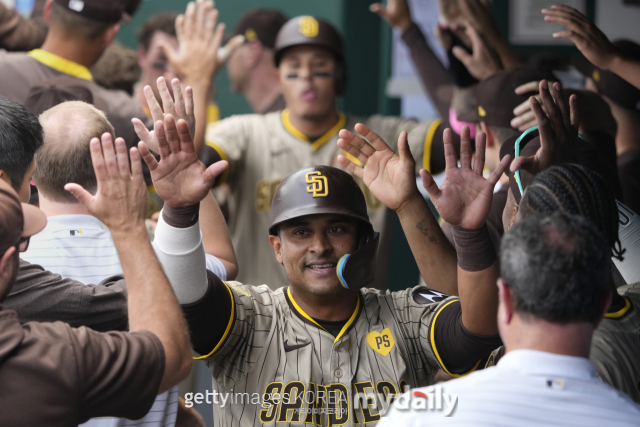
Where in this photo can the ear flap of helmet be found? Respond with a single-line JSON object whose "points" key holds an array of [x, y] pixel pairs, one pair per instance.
{"points": [[357, 270]]}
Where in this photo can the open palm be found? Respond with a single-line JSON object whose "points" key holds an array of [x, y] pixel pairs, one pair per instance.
{"points": [[464, 199], [389, 176]]}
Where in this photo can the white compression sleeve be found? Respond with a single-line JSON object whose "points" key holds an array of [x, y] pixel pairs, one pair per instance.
{"points": [[182, 256]]}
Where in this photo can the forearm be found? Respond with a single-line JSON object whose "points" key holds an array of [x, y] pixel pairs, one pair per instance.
{"points": [[152, 304], [433, 74], [18, 34], [626, 68], [477, 275], [178, 245], [433, 253], [215, 235]]}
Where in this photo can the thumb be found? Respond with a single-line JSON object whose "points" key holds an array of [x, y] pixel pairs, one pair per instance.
{"points": [[169, 51], [462, 55], [429, 184], [403, 148], [214, 170], [225, 52], [81, 194], [521, 163]]}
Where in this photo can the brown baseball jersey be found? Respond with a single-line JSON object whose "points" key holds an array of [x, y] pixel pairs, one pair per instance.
{"points": [[263, 149], [615, 349], [276, 364]]}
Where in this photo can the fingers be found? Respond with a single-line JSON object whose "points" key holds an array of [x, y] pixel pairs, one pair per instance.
{"points": [[142, 131], [80, 193], [429, 184], [552, 109], [186, 141], [123, 158], [544, 124], [481, 145], [380, 10], [109, 156], [450, 155], [148, 158], [213, 171], [376, 142], [97, 159], [180, 28], [180, 106], [350, 166], [462, 55], [562, 105], [171, 132], [152, 102], [524, 121], [189, 100], [574, 112], [189, 21], [527, 87], [136, 166], [497, 173], [225, 52], [161, 137], [165, 95], [356, 146], [465, 147]]}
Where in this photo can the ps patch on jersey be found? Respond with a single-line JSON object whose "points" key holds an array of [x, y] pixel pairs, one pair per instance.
{"points": [[425, 295], [381, 342]]}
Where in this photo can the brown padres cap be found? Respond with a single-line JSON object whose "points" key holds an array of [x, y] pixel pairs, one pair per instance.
{"points": [[610, 84], [496, 97], [101, 10], [308, 30], [17, 219], [260, 24], [317, 190], [56, 90]]}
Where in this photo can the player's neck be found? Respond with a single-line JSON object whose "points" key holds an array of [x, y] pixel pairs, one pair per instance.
{"points": [[263, 89], [314, 127], [70, 49], [571, 339], [332, 308], [53, 208]]}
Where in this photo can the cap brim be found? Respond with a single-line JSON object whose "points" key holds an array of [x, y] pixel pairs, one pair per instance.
{"points": [[34, 220]]}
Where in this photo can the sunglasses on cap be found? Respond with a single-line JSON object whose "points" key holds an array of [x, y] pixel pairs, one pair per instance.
{"points": [[23, 244]]}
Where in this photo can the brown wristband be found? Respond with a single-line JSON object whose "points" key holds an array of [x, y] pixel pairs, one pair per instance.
{"points": [[182, 217], [474, 247]]}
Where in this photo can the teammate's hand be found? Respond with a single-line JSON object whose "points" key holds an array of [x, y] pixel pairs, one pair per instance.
{"points": [[397, 13], [483, 62], [592, 42], [180, 178], [558, 128], [524, 116], [120, 201], [478, 15], [199, 56], [464, 199], [389, 176], [182, 108]]}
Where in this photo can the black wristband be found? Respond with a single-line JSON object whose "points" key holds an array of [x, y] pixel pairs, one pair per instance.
{"points": [[182, 217], [474, 248]]}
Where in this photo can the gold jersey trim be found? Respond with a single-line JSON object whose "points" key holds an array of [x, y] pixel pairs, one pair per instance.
{"points": [[622, 311], [428, 141], [228, 330], [309, 318], [318, 142], [60, 64], [435, 350]]}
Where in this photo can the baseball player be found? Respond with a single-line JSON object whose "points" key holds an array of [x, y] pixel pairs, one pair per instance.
{"points": [[325, 350], [263, 149]]}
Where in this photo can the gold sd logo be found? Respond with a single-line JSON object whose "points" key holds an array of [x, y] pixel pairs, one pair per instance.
{"points": [[319, 185], [309, 26]]}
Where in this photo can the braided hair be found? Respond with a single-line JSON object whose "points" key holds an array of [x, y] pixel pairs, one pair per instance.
{"points": [[576, 190]]}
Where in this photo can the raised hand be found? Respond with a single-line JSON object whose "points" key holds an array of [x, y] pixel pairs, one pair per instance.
{"points": [[180, 178], [120, 201], [464, 199], [558, 128], [389, 176], [524, 116], [483, 62], [397, 13], [592, 42], [180, 108]]}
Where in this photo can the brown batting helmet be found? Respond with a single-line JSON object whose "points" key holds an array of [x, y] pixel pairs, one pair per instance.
{"points": [[328, 190], [309, 30]]}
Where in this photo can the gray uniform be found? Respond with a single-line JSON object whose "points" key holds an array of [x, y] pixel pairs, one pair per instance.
{"points": [[263, 149], [278, 365]]}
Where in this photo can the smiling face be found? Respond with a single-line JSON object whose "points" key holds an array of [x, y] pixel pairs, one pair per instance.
{"points": [[307, 77], [310, 247]]}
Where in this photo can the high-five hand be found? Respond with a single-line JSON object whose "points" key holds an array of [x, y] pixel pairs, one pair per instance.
{"points": [[464, 199], [389, 176]]}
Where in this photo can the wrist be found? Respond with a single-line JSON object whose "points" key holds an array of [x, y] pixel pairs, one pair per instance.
{"points": [[132, 233], [415, 199], [404, 24], [181, 216], [474, 248]]}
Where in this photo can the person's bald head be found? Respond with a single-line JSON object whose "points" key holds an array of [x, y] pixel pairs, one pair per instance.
{"points": [[65, 156]]}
